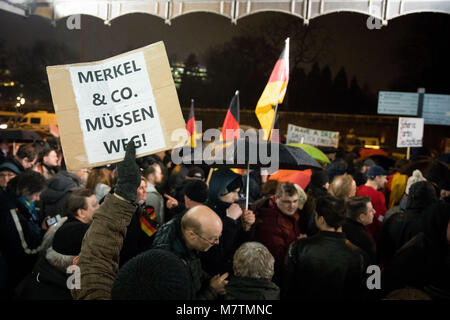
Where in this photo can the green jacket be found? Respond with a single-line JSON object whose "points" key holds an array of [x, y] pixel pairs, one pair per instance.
{"points": [[100, 251]]}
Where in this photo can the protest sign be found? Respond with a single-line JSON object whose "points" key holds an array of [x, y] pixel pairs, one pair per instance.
{"points": [[296, 134], [101, 106], [410, 132]]}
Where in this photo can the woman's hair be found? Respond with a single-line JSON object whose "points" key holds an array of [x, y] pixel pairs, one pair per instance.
{"points": [[253, 260], [98, 175], [341, 186]]}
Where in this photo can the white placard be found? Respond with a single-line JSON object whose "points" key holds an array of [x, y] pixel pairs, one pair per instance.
{"points": [[296, 134], [410, 132], [116, 104]]}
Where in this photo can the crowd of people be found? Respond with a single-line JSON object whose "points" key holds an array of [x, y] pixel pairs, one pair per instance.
{"points": [[148, 229]]}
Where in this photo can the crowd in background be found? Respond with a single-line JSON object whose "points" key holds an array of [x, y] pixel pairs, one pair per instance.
{"points": [[155, 230]]}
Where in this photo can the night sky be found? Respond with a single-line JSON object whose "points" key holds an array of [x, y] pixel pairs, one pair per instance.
{"points": [[366, 54]]}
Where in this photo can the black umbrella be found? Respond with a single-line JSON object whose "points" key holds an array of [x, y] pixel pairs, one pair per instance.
{"points": [[247, 154], [19, 135]]}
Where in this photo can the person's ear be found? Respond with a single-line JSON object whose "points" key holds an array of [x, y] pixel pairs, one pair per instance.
{"points": [[80, 213]]}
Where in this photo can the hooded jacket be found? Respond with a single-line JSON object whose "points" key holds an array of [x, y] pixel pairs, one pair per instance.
{"points": [[219, 259], [55, 197]]}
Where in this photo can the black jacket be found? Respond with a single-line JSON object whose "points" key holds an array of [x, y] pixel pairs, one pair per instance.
{"points": [[19, 239], [46, 282], [357, 234], [169, 237], [424, 261], [244, 288], [219, 259], [324, 266]]}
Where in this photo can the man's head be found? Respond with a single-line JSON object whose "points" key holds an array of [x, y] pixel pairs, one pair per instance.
{"points": [[360, 209], [7, 172], [253, 260], [286, 198], [201, 228], [377, 175], [367, 164], [330, 213], [49, 157], [343, 186], [153, 173], [26, 155], [82, 204], [195, 193]]}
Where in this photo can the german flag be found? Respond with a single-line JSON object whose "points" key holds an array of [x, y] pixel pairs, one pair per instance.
{"points": [[231, 122], [190, 127], [274, 92], [148, 222]]}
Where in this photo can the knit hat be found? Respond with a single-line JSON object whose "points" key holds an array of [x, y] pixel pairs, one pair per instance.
{"points": [[416, 177], [69, 237], [196, 172], [375, 171], [369, 163], [196, 190], [8, 166], [153, 275]]}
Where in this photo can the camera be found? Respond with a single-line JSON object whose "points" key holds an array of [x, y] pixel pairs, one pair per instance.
{"points": [[53, 221]]}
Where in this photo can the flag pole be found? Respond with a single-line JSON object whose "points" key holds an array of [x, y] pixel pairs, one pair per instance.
{"points": [[248, 184]]}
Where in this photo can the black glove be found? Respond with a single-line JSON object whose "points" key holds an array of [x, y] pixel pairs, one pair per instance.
{"points": [[128, 175]]}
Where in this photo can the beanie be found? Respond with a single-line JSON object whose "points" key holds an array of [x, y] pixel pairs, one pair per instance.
{"points": [[319, 178], [416, 177], [8, 166], [196, 190], [153, 275]]}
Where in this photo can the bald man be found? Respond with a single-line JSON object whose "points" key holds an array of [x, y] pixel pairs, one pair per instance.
{"points": [[197, 231]]}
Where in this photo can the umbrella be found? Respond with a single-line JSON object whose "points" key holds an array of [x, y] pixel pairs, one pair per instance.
{"points": [[302, 178], [312, 151], [368, 152], [243, 153], [19, 135]]}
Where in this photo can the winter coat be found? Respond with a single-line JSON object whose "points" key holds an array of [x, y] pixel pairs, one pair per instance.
{"points": [[20, 238], [54, 198], [424, 261], [100, 251], [219, 258], [357, 234], [155, 199], [324, 266], [169, 237], [276, 231], [403, 226], [46, 282], [245, 288]]}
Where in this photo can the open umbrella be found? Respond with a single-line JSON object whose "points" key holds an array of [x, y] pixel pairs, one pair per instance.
{"points": [[302, 178], [314, 152], [19, 135], [247, 154], [368, 152]]}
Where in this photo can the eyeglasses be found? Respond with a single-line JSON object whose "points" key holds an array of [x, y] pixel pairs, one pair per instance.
{"points": [[215, 241]]}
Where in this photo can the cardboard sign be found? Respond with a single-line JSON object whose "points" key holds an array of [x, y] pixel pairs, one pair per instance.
{"points": [[296, 134], [101, 106], [410, 132]]}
